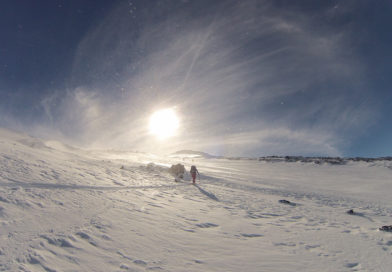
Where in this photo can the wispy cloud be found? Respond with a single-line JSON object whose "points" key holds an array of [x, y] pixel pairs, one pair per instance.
{"points": [[245, 76]]}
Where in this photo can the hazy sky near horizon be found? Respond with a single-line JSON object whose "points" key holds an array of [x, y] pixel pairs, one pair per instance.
{"points": [[246, 78]]}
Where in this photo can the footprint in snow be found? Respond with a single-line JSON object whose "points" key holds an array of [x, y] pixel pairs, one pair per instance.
{"points": [[251, 235], [83, 235], [140, 262], [352, 265], [60, 242], [207, 225], [288, 244], [86, 237], [312, 247]]}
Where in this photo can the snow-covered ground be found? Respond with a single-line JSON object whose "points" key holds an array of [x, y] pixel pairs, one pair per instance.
{"points": [[65, 209]]}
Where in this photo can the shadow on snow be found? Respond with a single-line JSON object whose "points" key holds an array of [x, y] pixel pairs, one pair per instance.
{"points": [[208, 194]]}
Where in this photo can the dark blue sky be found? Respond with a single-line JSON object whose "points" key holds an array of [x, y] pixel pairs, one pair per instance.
{"points": [[39, 40], [247, 78]]}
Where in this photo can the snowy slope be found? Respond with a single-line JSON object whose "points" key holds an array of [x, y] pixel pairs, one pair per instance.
{"points": [[65, 209]]}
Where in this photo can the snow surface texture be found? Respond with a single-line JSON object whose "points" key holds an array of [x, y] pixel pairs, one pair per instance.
{"points": [[64, 209]]}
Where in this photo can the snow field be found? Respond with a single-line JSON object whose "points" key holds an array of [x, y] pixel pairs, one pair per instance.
{"points": [[64, 209]]}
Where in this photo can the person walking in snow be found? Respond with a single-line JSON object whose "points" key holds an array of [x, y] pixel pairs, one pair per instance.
{"points": [[194, 172]]}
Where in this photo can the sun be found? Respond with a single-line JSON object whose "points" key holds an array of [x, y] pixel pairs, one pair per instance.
{"points": [[164, 123]]}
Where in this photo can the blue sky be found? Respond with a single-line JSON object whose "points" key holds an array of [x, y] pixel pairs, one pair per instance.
{"points": [[247, 78]]}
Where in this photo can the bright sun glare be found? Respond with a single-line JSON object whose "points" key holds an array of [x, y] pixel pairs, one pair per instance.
{"points": [[164, 123]]}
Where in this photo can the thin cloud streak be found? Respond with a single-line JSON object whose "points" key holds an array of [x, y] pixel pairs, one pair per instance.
{"points": [[244, 77]]}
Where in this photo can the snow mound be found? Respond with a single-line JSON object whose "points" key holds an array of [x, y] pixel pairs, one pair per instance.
{"points": [[60, 146], [33, 143]]}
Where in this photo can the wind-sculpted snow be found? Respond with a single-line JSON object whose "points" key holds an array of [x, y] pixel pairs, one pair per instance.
{"points": [[65, 209]]}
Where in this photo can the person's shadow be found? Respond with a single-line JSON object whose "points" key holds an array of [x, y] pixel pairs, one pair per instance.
{"points": [[208, 194]]}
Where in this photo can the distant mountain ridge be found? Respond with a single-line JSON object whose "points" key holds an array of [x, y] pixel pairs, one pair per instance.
{"points": [[303, 159], [192, 153], [37, 143], [320, 160]]}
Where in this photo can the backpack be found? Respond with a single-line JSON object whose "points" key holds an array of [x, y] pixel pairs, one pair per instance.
{"points": [[193, 169]]}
